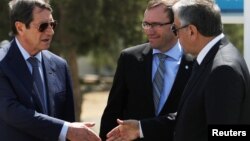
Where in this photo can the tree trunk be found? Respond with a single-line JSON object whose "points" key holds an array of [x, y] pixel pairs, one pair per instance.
{"points": [[72, 60], [71, 56]]}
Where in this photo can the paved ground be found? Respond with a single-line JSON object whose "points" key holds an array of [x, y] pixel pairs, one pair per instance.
{"points": [[93, 106]]}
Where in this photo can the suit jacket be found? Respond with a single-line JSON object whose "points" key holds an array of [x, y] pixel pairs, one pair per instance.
{"points": [[131, 96], [217, 93], [21, 113]]}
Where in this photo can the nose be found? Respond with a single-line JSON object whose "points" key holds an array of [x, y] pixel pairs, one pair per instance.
{"points": [[149, 31], [50, 30]]}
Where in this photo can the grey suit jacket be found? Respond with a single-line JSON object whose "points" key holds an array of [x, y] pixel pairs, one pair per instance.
{"points": [[21, 113]]}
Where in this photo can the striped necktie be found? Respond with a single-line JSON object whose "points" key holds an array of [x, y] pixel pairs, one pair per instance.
{"points": [[158, 81], [38, 84]]}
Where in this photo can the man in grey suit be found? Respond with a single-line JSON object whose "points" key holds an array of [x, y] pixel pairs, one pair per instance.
{"points": [[36, 100], [218, 91]]}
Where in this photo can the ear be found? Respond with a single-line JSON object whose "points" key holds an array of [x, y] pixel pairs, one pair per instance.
{"points": [[20, 27], [193, 32]]}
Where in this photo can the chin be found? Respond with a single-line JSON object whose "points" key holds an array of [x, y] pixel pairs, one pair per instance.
{"points": [[154, 46], [45, 47]]}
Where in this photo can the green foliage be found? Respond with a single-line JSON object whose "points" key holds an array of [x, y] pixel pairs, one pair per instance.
{"points": [[91, 24], [4, 23], [99, 27], [78, 22], [235, 33]]}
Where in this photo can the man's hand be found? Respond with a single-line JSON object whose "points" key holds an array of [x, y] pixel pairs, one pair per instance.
{"points": [[127, 130], [79, 131]]}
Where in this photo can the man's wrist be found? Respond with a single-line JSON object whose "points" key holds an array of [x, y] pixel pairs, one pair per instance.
{"points": [[63, 133]]}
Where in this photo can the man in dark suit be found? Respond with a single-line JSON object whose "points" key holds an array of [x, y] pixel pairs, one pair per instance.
{"points": [[36, 100], [132, 96], [218, 91]]}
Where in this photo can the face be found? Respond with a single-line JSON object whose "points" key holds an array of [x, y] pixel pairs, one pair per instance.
{"points": [[183, 33], [159, 36], [31, 38]]}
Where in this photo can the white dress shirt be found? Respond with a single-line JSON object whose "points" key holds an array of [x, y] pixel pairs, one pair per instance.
{"points": [[208, 47]]}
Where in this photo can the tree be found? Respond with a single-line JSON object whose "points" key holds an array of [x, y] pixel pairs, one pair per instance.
{"points": [[4, 24], [235, 33], [99, 26]]}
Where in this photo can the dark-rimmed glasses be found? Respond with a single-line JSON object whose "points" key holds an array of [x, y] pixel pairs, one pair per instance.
{"points": [[43, 26], [175, 30], [146, 25]]}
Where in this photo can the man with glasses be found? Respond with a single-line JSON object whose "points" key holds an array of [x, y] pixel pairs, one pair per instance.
{"points": [[36, 100], [150, 77], [217, 95], [218, 92]]}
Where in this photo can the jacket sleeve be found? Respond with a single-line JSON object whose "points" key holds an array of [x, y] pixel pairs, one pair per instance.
{"points": [[14, 114], [116, 99]]}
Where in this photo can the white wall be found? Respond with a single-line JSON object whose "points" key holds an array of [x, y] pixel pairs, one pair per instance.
{"points": [[247, 32]]}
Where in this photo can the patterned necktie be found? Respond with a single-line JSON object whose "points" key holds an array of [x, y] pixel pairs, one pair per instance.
{"points": [[38, 84], [158, 81]]}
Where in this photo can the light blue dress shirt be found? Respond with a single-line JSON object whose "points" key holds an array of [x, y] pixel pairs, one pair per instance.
{"points": [[38, 56], [172, 64]]}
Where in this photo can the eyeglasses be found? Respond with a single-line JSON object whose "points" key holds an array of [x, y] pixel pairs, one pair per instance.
{"points": [[175, 30], [43, 26], [146, 25]]}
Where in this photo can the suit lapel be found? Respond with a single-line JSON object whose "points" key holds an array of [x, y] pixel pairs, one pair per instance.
{"points": [[201, 70], [192, 81], [181, 79], [49, 68], [17, 67], [146, 59]]}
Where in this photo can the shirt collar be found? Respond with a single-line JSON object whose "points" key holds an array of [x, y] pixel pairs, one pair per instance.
{"points": [[206, 49], [174, 53], [25, 54]]}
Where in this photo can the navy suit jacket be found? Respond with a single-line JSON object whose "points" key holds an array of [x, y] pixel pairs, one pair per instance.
{"points": [[217, 93], [21, 113], [131, 96]]}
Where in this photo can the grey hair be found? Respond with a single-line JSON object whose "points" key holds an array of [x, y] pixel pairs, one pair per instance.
{"points": [[203, 14], [22, 11]]}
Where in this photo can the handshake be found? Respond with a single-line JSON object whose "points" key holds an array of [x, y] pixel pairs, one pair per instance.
{"points": [[126, 130]]}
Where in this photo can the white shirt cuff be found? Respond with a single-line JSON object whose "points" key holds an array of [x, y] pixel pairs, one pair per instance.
{"points": [[141, 134], [63, 133]]}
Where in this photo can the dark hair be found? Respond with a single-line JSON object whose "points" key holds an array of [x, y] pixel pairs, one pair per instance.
{"points": [[22, 11], [168, 7], [206, 18]]}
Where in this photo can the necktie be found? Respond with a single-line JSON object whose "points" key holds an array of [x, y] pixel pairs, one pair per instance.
{"points": [[158, 81], [194, 69], [38, 84], [195, 66]]}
